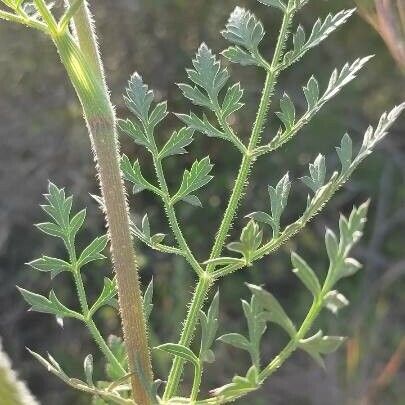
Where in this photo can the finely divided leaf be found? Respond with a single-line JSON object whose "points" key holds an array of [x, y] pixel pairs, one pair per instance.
{"points": [[320, 31], [50, 264], [177, 142], [345, 152], [202, 125], [195, 178], [232, 99], [237, 55], [209, 327], [311, 91], [287, 113], [133, 174], [250, 240], [139, 98], [135, 132], [208, 73], [278, 199], [317, 171], [49, 305], [276, 313], [93, 251], [244, 29], [107, 294], [275, 3]]}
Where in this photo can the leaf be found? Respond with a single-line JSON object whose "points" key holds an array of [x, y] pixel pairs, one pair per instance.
{"points": [[202, 125], [138, 97], [274, 3], [373, 136], [192, 200], [93, 251], [117, 347], [257, 324], [107, 294], [208, 73], [335, 301], [317, 171], [232, 99], [133, 174], [180, 351], [76, 223], [209, 327], [195, 178], [177, 142], [287, 114], [135, 132], [244, 29], [235, 340], [237, 55], [320, 31], [146, 226], [276, 313], [304, 272], [157, 238], [278, 201], [88, 369], [332, 245], [345, 152], [311, 91], [51, 229], [59, 206], [340, 78], [224, 261], [263, 217], [158, 114], [239, 386], [250, 240], [318, 344], [52, 305], [147, 300], [195, 95], [50, 264]]}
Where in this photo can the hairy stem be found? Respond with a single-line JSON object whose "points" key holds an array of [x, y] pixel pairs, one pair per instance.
{"points": [[239, 186], [171, 215], [86, 73]]}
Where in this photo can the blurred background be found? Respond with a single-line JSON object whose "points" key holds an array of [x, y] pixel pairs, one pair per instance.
{"points": [[42, 136]]}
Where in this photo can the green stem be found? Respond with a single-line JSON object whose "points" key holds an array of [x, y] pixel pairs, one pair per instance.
{"points": [[90, 323], [229, 131], [239, 186], [69, 14], [187, 334], [171, 215], [197, 382], [109, 355], [47, 16], [292, 345], [5, 15]]}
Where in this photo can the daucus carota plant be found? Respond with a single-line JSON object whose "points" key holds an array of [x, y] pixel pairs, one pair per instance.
{"points": [[209, 87]]}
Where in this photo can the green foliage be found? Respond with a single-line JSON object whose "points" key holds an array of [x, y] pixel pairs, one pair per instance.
{"points": [[193, 179], [256, 319], [208, 88], [209, 326]]}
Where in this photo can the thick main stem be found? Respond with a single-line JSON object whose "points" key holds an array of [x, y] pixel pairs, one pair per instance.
{"points": [[205, 283], [100, 118]]}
